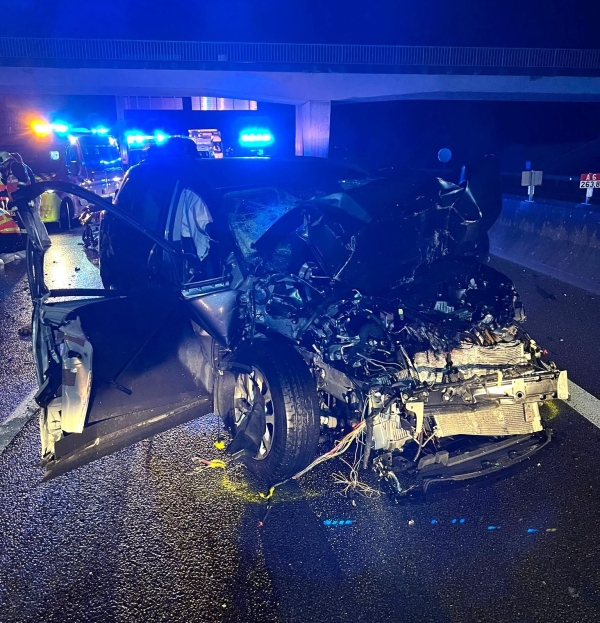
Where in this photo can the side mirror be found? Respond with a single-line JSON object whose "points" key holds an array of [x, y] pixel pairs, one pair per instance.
{"points": [[74, 167]]}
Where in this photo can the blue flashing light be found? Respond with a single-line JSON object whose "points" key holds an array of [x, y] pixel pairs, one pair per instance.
{"points": [[256, 137], [100, 130], [138, 139], [60, 128], [433, 522]]}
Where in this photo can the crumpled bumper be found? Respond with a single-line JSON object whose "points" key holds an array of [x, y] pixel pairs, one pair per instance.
{"points": [[489, 458]]}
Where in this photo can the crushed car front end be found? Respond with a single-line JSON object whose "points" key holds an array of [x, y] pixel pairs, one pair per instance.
{"points": [[449, 390], [406, 328]]}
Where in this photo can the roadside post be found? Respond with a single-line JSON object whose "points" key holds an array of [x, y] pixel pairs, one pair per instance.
{"points": [[531, 179], [589, 181]]}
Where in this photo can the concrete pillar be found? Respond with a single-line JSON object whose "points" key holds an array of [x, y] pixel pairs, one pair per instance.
{"points": [[312, 129], [120, 106]]}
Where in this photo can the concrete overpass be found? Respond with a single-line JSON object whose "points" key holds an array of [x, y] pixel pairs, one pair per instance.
{"points": [[309, 76]]}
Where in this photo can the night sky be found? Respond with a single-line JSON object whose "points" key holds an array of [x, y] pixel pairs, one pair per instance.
{"points": [[526, 23]]}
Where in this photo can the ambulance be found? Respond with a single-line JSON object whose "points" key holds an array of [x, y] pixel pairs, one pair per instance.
{"points": [[87, 157]]}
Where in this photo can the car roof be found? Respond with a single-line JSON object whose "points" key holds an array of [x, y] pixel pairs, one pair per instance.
{"points": [[223, 173]]}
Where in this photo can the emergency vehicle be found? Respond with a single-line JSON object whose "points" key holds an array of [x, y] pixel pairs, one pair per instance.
{"points": [[89, 158], [138, 144], [208, 142]]}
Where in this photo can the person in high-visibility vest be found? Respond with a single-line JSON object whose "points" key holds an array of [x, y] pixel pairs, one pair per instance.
{"points": [[7, 224], [11, 238], [28, 170], [13, 174]]}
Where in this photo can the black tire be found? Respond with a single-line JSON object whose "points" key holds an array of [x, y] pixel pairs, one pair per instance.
{"points": [[296, 410], [67, 209]]}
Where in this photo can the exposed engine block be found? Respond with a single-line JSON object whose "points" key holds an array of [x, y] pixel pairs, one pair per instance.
{"points": [[433, 361]]}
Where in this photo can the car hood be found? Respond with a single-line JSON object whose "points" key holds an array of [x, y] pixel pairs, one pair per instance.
{"points": [[377, 236]]}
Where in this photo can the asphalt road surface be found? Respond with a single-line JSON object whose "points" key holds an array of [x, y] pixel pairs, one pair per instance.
{"points": [[145, 535]]}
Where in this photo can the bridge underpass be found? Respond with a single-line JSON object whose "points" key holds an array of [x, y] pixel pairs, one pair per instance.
{"points": [[308, 76]]}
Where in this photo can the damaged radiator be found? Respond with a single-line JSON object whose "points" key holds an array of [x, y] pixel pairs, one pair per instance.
{"points": [[470, 359], [490, 420]]}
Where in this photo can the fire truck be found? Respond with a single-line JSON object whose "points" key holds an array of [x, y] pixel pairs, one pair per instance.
{"points": [[86, 157]]}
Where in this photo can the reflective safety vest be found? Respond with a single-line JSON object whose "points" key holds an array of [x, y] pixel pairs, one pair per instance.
{"points": [[8, 224], [44, 177]]}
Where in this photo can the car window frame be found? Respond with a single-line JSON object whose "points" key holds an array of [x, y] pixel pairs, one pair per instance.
{"points": [[39, 241]]}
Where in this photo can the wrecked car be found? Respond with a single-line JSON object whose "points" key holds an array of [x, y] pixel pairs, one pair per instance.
{"points": [[328, 301]]}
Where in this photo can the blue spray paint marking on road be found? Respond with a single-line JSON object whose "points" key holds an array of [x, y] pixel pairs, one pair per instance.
{"points": [[338, 522], [434, 522]]}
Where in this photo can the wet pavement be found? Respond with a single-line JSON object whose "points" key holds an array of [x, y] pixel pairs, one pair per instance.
{"points": [[16, 372], [144, 535]]}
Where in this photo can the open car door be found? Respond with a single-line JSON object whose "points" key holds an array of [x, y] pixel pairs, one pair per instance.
{"points": [[113, 367]]}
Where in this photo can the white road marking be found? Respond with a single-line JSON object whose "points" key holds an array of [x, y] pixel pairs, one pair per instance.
{"points": [[13, 424], [581, 401], [584, 403]]}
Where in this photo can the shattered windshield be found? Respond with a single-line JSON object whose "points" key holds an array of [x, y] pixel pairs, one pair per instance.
{"points": [[252, 212]]}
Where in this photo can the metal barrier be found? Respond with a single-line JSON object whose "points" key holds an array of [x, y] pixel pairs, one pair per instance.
{"points": [[114, 50], [551, 237]]}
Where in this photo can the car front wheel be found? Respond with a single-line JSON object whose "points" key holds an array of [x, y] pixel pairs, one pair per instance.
{"points": [[272, 407]]}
